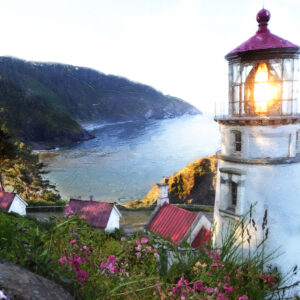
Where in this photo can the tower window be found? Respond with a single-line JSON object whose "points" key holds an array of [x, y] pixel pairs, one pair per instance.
{"points": [[298, 141], [234, 188], [237, 141]]}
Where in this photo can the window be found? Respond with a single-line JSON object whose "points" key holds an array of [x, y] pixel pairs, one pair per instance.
{"points": [[231, 191], [237, 141], [298, 141], [234, 189]]}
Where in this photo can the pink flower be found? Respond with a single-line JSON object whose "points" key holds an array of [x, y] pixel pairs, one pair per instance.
{"points": [[216, 255], [244, 297], [155, 254], [214, 265], [227, 288], [221, 296], [68, 209], [72, 242], [198, 285], [149, 248], [81, 276], [137, 242], [86, 248], [144, 240], [138, 255], [123, 238], [62, 261], [138, 248]]}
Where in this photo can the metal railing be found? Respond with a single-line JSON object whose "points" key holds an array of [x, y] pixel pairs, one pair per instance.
{"points": [[258, 109]]}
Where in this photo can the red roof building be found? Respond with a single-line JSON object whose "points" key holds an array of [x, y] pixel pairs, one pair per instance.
{"points": [[98, 214], [180, 225], [12, 202]]}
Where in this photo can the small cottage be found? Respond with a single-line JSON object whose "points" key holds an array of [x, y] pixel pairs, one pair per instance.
{"points": [[12, 202], [98, 214], [177, 223]]}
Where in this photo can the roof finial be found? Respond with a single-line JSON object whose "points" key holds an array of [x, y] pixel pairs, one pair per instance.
{"points": [[263, 17]]}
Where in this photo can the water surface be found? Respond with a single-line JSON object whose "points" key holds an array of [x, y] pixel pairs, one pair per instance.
{"points": [[126, 159]]}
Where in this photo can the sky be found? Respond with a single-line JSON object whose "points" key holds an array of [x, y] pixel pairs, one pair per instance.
{"points": [[176, 46]]}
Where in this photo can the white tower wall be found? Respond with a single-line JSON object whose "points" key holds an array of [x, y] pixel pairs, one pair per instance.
{"points": [[266, 172]]}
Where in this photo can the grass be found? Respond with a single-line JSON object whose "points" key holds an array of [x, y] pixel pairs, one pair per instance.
{"points": [[76, 256], [135, 218]]}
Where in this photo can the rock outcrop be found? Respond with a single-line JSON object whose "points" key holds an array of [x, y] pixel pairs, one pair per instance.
{"points": [[18, 283], [194, 184]]}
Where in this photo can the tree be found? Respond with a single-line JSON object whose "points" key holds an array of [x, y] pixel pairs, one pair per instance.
{"points": [[25, 174], [20, 169], [7, 153]]}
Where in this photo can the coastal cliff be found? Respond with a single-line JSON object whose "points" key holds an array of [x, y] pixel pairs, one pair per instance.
{"points": [[44, 103], [194, 184]]}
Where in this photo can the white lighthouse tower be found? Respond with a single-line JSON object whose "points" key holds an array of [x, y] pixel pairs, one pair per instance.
{"points": [[259, 161]]}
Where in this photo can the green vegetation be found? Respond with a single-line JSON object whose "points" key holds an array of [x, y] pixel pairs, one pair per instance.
{"points": [[32, 119], [21, 172], [194, 184], [95, 265], [43, 102]]}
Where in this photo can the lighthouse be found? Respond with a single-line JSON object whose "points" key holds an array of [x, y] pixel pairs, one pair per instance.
{"points": [[259, 160]]}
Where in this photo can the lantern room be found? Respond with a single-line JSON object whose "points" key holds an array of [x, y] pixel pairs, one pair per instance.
{"points": [[263, 75]]}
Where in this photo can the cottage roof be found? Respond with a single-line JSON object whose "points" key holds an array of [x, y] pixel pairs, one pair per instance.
{"points": [[263, 39], [6, 200], [95, 213], [172, 222]]}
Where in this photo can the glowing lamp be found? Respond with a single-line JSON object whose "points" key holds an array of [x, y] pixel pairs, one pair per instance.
{"points": [[263, 74]]}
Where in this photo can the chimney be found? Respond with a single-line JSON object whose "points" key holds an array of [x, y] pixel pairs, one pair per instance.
{"points": [[162, 193], [91, 198]]}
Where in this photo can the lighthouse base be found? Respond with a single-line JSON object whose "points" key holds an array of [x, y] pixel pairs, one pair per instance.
{"points": [[274, 193]]}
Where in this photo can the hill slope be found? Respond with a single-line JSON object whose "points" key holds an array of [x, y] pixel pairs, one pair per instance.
{"points": [[194, 184], [33, 120], [45, 102], [87, 94]]}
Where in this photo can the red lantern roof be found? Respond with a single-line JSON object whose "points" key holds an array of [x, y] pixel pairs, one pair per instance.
{"points": [[263, 39]]}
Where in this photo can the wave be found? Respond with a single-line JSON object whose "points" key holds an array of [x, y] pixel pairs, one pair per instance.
{"points": [[93, 126]]}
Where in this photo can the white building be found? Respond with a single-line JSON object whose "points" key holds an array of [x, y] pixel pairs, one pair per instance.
{"points": [[259, 161], [12, 202]]}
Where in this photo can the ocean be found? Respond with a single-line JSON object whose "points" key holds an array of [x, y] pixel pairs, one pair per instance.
{"points": [[126, 159]]}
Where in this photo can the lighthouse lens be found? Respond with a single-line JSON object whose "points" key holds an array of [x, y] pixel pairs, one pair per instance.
{"points": [[265, 92]]}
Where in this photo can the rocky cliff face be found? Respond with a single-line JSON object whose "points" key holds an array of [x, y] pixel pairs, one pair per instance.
{"points": [[70, 94], [194, 184]]}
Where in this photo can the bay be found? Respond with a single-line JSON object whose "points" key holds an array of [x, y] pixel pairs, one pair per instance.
{"points": [[126, 159]]}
